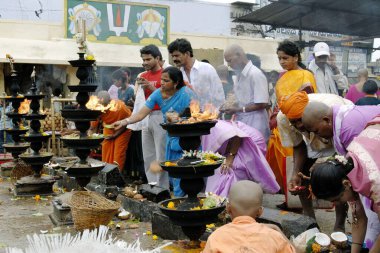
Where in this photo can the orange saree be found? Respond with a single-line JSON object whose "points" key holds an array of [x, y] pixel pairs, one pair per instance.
{"points": [[289, 83], [115, 150]]}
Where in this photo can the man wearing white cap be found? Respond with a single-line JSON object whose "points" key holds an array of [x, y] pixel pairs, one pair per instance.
{"points": [[327, 75]]}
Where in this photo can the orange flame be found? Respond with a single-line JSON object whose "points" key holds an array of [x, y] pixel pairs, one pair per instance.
{"points": [[94, 104], [209, 113], [194, 107], [24, 106]]}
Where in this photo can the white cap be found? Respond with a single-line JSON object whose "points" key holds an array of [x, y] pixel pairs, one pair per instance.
{"points": [[321, 48]]}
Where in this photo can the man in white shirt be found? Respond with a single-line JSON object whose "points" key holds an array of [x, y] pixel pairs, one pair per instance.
{"points": [[201, 76], [251, 91], [327, 75]]}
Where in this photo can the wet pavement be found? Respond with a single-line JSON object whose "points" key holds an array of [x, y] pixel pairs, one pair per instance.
{"points": [[21, 216]]}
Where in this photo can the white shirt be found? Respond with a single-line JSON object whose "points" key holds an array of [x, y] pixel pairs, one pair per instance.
{"points": [[326, 81], [251, 87], [206, 83], [113, 91], [291, 137]]}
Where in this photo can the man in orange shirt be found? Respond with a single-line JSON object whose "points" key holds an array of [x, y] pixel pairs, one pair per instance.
{"points": [[115, 144], [244, 234]]}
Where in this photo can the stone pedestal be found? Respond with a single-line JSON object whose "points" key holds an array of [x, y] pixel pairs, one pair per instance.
{"points": [[164, 228], [61, 215], [61, 211], [6, 169], [141, 209], [31, 186]]}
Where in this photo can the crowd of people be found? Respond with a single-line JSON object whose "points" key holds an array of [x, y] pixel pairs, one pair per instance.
{"points": [[329, 128]]}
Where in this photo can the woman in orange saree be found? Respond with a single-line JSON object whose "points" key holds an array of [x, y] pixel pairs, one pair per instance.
{"points": [[295, 78]]}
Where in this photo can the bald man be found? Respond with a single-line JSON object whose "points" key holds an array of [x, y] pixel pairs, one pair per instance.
{"points": [[342, 123], [251, 91], [244, 234], [355, 92], [307, 147], [114, 147]]}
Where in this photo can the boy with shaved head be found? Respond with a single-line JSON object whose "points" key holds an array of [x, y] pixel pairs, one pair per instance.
{"points": [[244, 234], [115, 145]]}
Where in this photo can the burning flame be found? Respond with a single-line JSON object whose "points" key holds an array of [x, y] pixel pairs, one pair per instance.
{"points": [[210, 112], [24, 106], [94, 104]]}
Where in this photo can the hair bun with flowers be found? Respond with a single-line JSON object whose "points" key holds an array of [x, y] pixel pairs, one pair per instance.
{"points": [[347, 163]]}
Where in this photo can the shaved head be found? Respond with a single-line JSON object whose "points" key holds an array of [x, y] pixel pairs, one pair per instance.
{"points": [[245, 199], [363, 73], [234, 49], [235, 57], [104, 97], [318, 118]]}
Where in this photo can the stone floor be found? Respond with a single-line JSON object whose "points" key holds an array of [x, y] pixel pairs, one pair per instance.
{"points": [[24, 216]]}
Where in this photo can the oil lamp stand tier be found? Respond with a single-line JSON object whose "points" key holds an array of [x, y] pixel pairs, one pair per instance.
{"points": [[36, 183], [82, 117], [16, 147], [192, 174]]}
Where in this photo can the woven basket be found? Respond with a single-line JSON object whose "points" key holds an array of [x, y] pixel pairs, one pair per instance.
{"points": [[90, 210], [20, 170]]}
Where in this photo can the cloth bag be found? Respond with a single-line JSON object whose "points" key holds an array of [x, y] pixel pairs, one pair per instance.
{"points": [[139, 103]]}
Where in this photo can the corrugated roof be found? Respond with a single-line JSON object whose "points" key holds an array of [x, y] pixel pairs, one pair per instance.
{"points": [[350, 17]]}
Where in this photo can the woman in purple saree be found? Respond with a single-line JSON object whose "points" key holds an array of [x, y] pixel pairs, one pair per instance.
{"points": [[244, 148]]}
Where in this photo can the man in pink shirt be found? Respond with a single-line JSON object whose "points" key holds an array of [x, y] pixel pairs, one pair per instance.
{"points": [[244, 234], [355, 92], [340, 122]]}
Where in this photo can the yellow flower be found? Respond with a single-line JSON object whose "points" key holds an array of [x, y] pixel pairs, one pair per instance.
{"points": [[37, 198], [171, 205], [90, 57], [154, 237], [148, 232], [315, 248], [170, 164], [195, 208]]}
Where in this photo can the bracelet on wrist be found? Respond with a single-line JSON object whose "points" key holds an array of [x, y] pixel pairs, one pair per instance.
{"points": [[360, 244]]}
